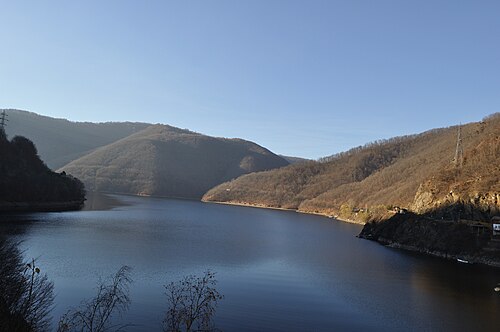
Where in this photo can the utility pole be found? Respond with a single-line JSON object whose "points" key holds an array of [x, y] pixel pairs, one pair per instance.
{"points": [[3, 120], [459, 151]]}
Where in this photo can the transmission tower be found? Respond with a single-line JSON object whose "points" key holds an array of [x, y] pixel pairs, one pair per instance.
{"points": [[459, 151], [3, 120]]}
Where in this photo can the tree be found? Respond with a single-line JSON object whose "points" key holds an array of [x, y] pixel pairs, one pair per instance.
{"points": [[25, 178], [94, 315], [193, 301], [26, 296]]}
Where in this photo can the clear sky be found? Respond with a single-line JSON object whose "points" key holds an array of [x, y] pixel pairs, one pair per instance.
{"points": [[303, 78]]}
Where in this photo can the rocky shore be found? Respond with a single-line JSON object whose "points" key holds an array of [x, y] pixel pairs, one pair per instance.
{"points": [[447, 239]]}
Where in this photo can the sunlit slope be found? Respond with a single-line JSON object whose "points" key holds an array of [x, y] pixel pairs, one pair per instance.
{"points": [[378, 175], [60, 141], [167, 161]]}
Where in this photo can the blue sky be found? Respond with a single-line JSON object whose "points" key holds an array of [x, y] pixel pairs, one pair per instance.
{"points": [[302, 78]]}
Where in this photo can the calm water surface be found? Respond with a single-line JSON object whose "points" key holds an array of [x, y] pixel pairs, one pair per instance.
{"points": [[279, 271]]}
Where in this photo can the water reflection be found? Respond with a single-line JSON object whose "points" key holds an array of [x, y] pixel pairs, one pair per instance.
{"points": [[280, 271], [96, 201]]}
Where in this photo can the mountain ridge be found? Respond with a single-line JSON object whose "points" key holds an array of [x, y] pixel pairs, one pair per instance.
{"points": [[60, 141], [161, 160]]}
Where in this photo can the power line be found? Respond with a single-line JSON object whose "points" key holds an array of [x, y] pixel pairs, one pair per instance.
{"points": [[3, 120], [459, 151]]}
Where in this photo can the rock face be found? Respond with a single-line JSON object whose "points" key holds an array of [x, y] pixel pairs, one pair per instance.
{"points": [[470, 205], [167, 161]]}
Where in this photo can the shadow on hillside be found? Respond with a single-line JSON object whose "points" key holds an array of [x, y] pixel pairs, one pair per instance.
{"points": [[463, 211], [452, 231]]}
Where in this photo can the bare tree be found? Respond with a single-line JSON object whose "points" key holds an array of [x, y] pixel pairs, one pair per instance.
{"points": [[38, 297], [94, 315], [193, 301], [26, 296]]}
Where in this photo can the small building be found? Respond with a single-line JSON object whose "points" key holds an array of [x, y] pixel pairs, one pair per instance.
{"points": [[495, 221], [496, 229]]}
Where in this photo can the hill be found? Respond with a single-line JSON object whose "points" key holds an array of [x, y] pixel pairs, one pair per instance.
{"points": [[294, 160], [60, 141], [366, 183], [27, 184], [167, 161]]}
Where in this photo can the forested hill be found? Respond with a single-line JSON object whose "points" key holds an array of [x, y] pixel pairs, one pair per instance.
{"points": [[27, 184], [60, 141], [414, 172], [167, 161]]}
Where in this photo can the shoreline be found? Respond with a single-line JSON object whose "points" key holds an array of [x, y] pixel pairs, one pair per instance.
{"points": [[445, 240], [10, 207], [470, 260], [258, 206]]}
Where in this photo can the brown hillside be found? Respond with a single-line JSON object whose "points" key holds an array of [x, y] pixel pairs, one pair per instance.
{"points": [[376, 176], [167, 161]]}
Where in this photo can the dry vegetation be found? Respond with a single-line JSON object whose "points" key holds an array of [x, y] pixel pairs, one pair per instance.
{"points": [[377, 176]]}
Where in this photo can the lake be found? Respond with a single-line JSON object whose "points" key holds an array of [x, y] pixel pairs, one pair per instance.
{"points": [[277, 270]]}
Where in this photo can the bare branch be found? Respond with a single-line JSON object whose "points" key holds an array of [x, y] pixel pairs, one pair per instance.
{"points": [[94, 315], [193, 301]]}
